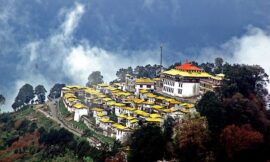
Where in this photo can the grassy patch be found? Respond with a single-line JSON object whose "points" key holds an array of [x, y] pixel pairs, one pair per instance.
{"points": [[63, 109], [93, 133], [44, 122], [79, 125]]}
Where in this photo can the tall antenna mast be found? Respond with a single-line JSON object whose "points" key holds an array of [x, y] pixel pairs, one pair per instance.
{"points": [[161, 56]]}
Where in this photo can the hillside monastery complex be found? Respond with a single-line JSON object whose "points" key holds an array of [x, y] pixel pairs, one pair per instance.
{"points": [[139, 100]]}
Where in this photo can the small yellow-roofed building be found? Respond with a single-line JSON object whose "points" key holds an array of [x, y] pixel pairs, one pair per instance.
{"points": [[141, 113], [155, 115], [104, 123], [79, 110], [154, 120], [137, 100], [106, 99], [211, 83], [120, 131], [157, 107], [143, 84], [118, 108], [128, 110]]}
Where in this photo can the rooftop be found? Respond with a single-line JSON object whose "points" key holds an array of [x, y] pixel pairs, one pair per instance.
{"points": [[188, 66]]}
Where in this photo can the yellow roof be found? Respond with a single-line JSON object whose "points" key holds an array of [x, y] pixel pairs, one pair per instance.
{"points": [[130, 118], [156, 79], [175, 72], [119, 126], [160, 97], [69, 95], [79, 105], [143, 91], [101, 95], [73, 86], [185, 111], [157, 107], [190, 105], [71, 99], [122, 116], [119, 104], [153, 119], [106, 99], [150, 95], [111, 88], [155, 116], [142, 113], [134, 121], [101, 114], [123, 93], [144, 80], [111, 103], [129, 108], [183, 104], [90, 91], [175, 102], [136, 100], [216, 77], [103, 85], [97, 109], [105, 120], [168, 99]]}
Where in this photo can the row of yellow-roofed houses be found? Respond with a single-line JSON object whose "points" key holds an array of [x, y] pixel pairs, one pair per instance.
{"points": [[102, 101], [134, 101]]}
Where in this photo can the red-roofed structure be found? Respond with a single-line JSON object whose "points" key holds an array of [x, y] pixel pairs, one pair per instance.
{"points": [[188, 67]]}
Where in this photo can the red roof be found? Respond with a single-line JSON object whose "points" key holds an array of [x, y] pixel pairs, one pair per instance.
{"points": [[188, 66]]}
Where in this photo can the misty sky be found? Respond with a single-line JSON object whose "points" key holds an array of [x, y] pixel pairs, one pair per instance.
{"points": [[49, 41]]}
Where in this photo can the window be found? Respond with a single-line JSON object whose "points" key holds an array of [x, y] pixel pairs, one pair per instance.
{"points": [[148, 86], [141, 86], [179, 91]]}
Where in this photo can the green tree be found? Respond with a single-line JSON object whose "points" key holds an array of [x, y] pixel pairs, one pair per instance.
{"points": [[94, 78], [208, 67], [148, 71], [211, 107], [146, 144], [218, 65], [2, 101], [25, 95], [244, 79], [121, 73], [174, 65], [168, 133], [55, 91], [40, 91]]}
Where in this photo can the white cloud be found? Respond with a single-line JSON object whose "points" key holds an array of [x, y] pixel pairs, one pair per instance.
{"points": [[72, 19], [252, 48], [49, 60]]}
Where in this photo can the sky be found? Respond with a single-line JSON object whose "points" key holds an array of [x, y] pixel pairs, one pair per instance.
{"points": [[55, 41]]}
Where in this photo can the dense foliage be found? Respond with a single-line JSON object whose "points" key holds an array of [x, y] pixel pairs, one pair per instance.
{"points": [[146, 144], [233, 125], [40, 92], [25, 95], [94, 78], [55, 91], [237, 117], [2, 101]]}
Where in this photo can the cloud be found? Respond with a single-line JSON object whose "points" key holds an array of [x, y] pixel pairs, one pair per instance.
{"points": [[61, 58], [252, 48]]}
